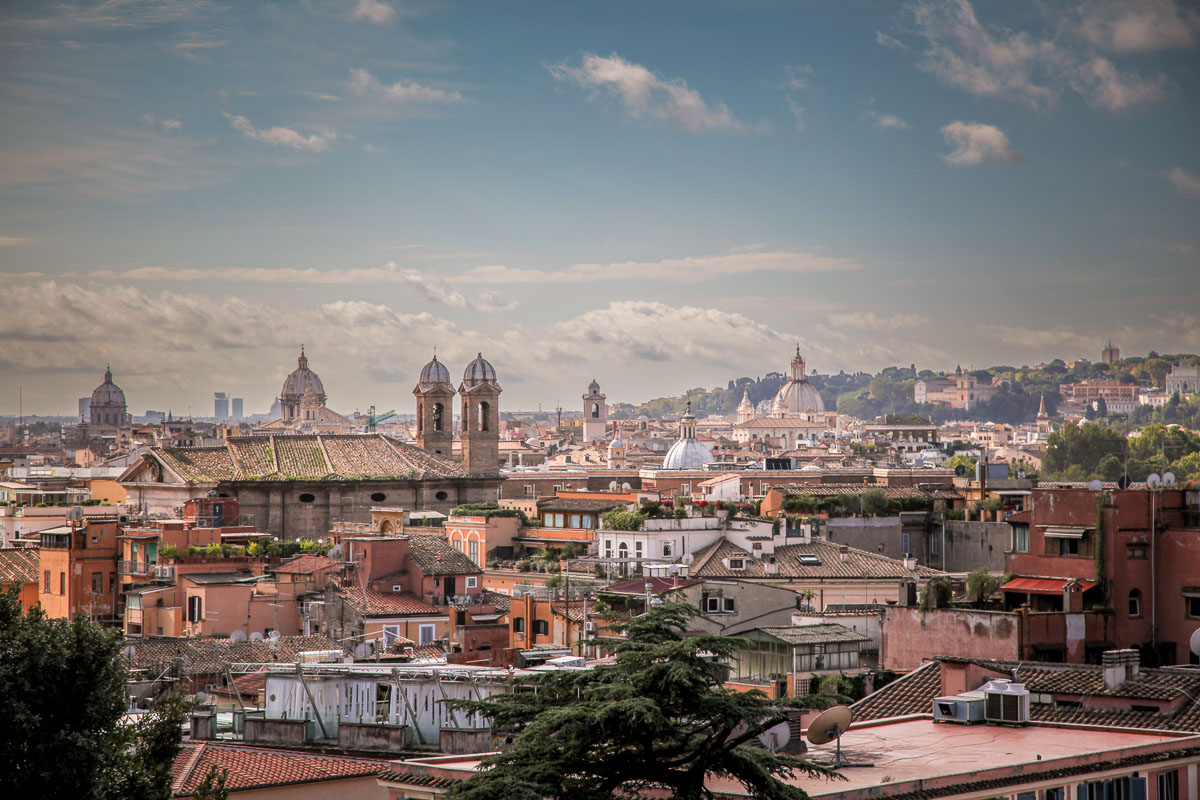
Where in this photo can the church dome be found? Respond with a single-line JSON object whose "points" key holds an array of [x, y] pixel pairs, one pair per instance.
{"points": [[434, 373], [687, 454], [799, 397], [593, 387], [302, 380], [108, 393], [479, 371]]}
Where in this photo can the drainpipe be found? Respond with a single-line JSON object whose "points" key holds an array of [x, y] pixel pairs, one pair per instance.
{"points": [[1153, 580]]}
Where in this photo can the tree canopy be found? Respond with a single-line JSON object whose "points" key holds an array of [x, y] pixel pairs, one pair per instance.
{"points": [[62, 696], [658, 718]]}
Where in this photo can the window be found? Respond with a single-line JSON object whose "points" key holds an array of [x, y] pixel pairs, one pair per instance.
{"points": [[541, 627], [458, 545], [905, 544], [46, 582], [935, 545], [608, 548], [112, 581], [1192, 606], [713, 605], [473, 551], [575, 522], [737, 563], [62, 583], [195, 608], [97, 583], [528, 490], [667, 549], [472, 582], [306, 497], [425, 634], [518, 624], [588, 521], [439, 414], [685, 489], [483, 416], [1135, 603], [1137, 552], [1168, 785], [378, 497], [441, 496], [637, 549], [728, 606], [1020, 538], [1056, 793]]}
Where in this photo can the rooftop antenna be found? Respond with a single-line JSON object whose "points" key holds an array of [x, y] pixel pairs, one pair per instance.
{"points": [[829, 726]]}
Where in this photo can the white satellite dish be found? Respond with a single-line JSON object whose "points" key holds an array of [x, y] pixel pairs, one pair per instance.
{"points": [[238, 636], [273, 636], [626, 487], [1153, 480], [776, 737], [335, 551], [688, 558], [1095, 486], [1168, 479], [201, 698], [256, 636], [75, 514], [364, 650], [612, 486], [129, 651], [1195, 642], [829, 726]]}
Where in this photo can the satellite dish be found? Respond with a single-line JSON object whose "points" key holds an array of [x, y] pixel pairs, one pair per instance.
{"points": [[1123, 482], [364, 650], [256, 636], [775, 737], [1095, 486], [960, 470], [626, 487], [612, 485], [238, 636], [829, 726], [335, 551], [1153, 480], [129, 651], [75, 514], [688, 558], [201, 698], [273, 636], [1168, 479], [1195, 642]]}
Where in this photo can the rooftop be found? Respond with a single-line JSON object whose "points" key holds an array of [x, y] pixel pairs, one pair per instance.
{"points": [[261, 767], [821, 560], [814, 634], [433, 555], [371, 603], [18, 565]]}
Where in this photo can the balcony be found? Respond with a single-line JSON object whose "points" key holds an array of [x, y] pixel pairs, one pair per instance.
{"points": [[146, 569]]}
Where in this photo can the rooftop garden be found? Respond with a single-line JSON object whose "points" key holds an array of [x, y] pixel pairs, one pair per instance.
{"points": [[253, 550], [871, 503], [487, 511]]}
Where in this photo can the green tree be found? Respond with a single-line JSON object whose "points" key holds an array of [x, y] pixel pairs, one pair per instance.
{"points": [[981, 585], [619, 520], [658, 719], [874, 502], [62, 695], [213, 786]]}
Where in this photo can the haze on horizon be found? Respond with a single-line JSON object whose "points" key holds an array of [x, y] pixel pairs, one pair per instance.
{"points": [[660, 197]]}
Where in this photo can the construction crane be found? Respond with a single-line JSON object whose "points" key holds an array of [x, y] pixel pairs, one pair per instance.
{"points": [[374, 419]]}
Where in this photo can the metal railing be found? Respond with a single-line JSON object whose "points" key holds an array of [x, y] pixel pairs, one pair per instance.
{"points": [[148, 569]]}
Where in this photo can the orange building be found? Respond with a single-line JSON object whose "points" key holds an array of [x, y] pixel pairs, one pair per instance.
{"points": [[78, 564], [19, 570]]}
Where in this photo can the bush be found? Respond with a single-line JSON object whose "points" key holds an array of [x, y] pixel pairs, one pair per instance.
{"points": [[981, 585], [168, 551], [936, 594], [619, 520], [873, 502], [487, 511]]}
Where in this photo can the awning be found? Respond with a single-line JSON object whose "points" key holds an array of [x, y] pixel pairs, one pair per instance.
{"points": [[1191, 591], [1043, 585], [1064, 531]]}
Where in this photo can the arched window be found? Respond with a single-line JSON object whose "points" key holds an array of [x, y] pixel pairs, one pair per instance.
{"points": [[420, 416], [483, 416], [1135, 603], [439, 414], [595, 410]]}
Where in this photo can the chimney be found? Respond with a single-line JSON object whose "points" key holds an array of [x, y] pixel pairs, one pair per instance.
{"points": [[910, 563], [844, 553], [1120, 666]]}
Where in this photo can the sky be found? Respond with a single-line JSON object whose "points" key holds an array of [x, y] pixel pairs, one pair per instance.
{"points": [[658, 195]]}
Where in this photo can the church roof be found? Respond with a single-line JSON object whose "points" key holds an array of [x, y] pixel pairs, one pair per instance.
{"points": [[479, 371], [108, 393], [434, 374], [302, 380], [799, 397], [283, 458]]}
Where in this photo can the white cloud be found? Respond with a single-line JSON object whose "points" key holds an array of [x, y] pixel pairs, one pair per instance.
{"points": [[869, 321], [1102, 84], [1137, 26], [13, 241], [886, 122], [797, 113], [401, 92], [165, 124], [645, 95], [964, 54], [689, 269], [192, 50], [280, 136], [889, 42], [1184, 181], [797, 78], [374, 11], [975, 143]]}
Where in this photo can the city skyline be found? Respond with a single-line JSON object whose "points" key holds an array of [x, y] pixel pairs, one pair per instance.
{"points": [[660, 198]]}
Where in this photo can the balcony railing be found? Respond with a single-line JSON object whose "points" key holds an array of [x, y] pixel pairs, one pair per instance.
{"points": [[146, 569]]}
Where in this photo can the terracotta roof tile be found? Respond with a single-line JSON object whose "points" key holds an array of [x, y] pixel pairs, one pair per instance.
{"points": [[433, 555], [384, 604], [18, 565], [208, 656], [261, 767], [304, 565], [811, 634], [909, 694], [824, 560]]}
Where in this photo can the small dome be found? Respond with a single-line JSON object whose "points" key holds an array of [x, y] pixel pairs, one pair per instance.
{"points": [[799, 397], [616, 442], [593, 387], [434, 373], [108, 393], [687, 454], [479, 371]]}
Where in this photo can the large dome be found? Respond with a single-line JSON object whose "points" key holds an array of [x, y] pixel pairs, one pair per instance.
{"points": [[479, 371], [687, 454], [302, 380], [434, 373], [799, 397], [108, 393]]}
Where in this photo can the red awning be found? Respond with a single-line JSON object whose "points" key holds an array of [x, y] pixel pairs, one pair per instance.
{"points": [[1043, 585]]}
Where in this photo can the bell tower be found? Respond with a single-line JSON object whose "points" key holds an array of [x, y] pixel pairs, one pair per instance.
{"points": [[435, 409], [480, 396], [595, 413]]}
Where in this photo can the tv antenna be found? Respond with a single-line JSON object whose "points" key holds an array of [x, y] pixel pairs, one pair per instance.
{"points": [[828, 727]]}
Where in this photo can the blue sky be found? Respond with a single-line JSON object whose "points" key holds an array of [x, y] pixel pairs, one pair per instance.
{"points": [[658, 195]]}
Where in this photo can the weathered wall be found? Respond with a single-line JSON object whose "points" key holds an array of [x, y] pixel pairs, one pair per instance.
{"points": [[910, 636], [971, 545]]}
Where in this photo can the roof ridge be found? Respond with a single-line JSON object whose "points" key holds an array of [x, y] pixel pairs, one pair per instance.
{"points": [[325, 455], [237, 464], [274, 454], [193, 760]]}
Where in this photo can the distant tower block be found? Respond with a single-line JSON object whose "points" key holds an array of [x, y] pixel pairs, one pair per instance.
{"points": [[595, 413], [238, 408], [1111, 353], [480, 395], [220, 406], [435, 409]]}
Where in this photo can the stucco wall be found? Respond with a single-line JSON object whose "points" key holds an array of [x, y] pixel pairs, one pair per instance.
{"points": [[971, 545], [910, 636]]}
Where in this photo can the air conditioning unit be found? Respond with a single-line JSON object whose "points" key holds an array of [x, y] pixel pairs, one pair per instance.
{"points": [[965, 709], [589, 627], [1005, 702]]}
